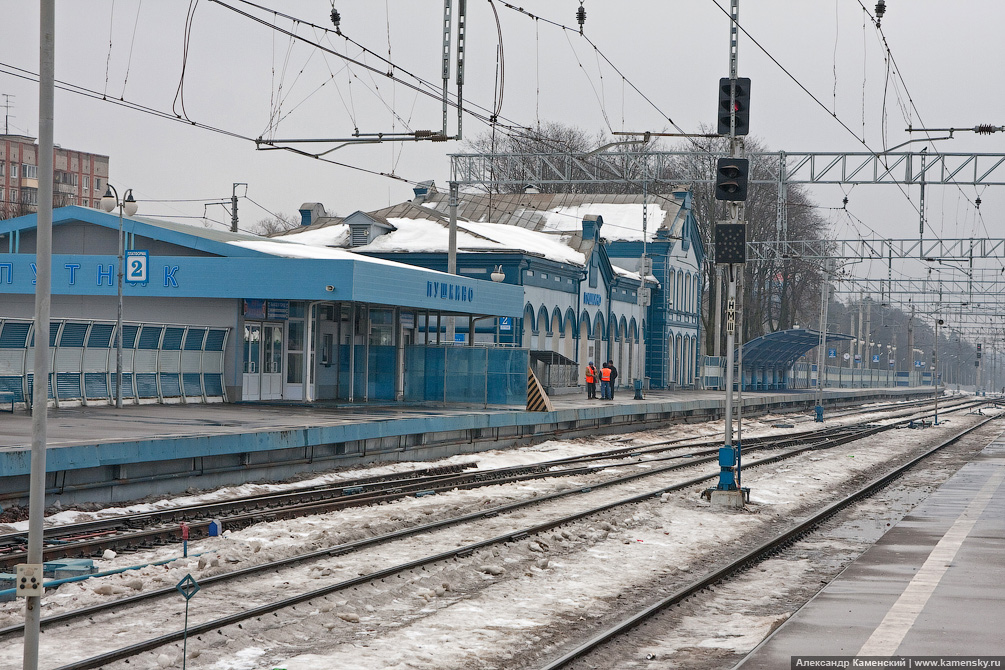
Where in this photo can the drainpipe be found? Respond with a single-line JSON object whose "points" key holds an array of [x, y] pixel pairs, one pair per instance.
{"points": [[352, 353], [579, 313], [610, 338]]}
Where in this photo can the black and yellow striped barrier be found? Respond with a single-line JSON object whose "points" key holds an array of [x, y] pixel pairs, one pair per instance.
{"points": [[537, 399]]}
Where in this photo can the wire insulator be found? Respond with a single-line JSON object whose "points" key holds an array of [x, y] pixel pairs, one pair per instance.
{"points": [[844, 202], [581, 16], [880, 11], [977, 202], [336, 19], [985, 129]]}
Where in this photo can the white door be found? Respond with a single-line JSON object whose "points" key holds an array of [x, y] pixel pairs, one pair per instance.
{"points": [[263, 361], [252, 384], [272, 361]]}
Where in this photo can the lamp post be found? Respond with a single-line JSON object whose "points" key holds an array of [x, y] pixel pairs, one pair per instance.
{"points": [[110, 201], [935, 370]]}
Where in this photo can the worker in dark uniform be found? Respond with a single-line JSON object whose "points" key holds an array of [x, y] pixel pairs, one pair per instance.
{"points": [[614, 377]]}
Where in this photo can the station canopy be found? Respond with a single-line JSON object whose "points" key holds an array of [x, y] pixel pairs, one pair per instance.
{"points": [[783, 348]]}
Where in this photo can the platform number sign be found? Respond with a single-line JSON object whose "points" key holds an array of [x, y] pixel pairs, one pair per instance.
{"points": [[137, 264], [832, 353]]}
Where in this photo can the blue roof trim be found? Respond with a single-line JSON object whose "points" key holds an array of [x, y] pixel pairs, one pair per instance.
{"points": [[272, 277], [196, 238]]}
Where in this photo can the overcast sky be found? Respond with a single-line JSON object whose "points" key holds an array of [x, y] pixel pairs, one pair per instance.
{"points": [[673, 51]]}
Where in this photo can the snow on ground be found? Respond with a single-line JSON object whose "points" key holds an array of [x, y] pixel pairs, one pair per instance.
{"points": [[496, 458], [581, 573]]}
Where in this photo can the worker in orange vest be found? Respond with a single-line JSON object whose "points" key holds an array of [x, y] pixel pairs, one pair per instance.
{"points": [[591, 382], [605, 382]]}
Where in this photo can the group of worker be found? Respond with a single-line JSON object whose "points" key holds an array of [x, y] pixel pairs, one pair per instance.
{"points": [[607, 375]]}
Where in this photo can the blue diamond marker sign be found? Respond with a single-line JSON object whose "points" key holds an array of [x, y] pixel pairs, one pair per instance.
{"points": [[188, 587]]}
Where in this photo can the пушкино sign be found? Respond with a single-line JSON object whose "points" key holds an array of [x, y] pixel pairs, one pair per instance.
{"points": [[444, 291]]}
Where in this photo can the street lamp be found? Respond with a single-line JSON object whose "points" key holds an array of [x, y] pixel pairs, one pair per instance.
{"points": [[110, 201]]}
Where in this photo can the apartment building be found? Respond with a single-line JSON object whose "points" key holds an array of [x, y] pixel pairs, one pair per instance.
{"points": [[79, 178]]}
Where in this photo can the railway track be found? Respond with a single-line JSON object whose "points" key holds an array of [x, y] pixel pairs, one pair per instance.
{"points": [[795, 532], [237, 617], [149, 529]]}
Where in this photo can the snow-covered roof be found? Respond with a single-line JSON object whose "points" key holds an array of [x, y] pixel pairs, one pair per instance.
{"points": [[418, 235], [558, 212], [554, 247], [622, 221], [334, 235], [275, 247], [424, 235]]}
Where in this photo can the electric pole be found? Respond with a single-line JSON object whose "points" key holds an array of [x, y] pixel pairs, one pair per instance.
{"points": [[6, 118], [233, 207]]}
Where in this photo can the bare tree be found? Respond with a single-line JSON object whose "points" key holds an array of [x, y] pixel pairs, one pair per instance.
{"points": [[778, 293], [550, 137], [276, 224]]}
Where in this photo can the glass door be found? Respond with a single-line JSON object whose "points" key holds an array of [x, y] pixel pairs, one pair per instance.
{"points": [[252, 379], [272, 361]]}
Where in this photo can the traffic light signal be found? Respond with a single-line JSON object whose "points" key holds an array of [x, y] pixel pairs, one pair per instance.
{"points": [[741, 103], [731, 178], [730, 243]]}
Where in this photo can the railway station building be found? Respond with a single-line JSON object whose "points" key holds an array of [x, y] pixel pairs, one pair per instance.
{"points": [[227, 316], [577, 258]]}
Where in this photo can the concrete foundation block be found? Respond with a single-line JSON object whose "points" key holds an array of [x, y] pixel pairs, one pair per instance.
{"points": [[727, 499]]}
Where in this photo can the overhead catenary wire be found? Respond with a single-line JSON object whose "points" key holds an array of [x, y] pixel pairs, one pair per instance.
{"points": [[132, 42], [423, 86], [28, 75], [108, 58], [179, 95]]}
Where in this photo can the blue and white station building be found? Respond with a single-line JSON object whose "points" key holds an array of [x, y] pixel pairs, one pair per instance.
{"points": [[577, 258], [226, 316]]}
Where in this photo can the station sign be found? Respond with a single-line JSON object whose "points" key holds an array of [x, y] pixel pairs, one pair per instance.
{"points": [[137, 266]]}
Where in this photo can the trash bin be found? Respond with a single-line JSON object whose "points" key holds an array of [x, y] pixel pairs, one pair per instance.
{"points": [[638, 389], [820, 413]]}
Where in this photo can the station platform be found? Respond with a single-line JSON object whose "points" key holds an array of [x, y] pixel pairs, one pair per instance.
{"points": [[103, 454], [931, 590]]}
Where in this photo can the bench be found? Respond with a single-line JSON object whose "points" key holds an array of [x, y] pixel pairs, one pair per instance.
{"points": [[7, 397]]}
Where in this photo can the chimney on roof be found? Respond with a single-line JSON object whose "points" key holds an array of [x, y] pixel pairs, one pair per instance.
{"points": [[311, 212], [591, 227], [422, 191]]}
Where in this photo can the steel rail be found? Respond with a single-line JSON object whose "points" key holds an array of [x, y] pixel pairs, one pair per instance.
{"points": [[753, 556], [284, 505], [460, 552], [416, 530], [275, 505]]}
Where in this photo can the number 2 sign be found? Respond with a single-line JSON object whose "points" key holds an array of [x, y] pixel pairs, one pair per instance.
{"points": [[137, 263]]}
